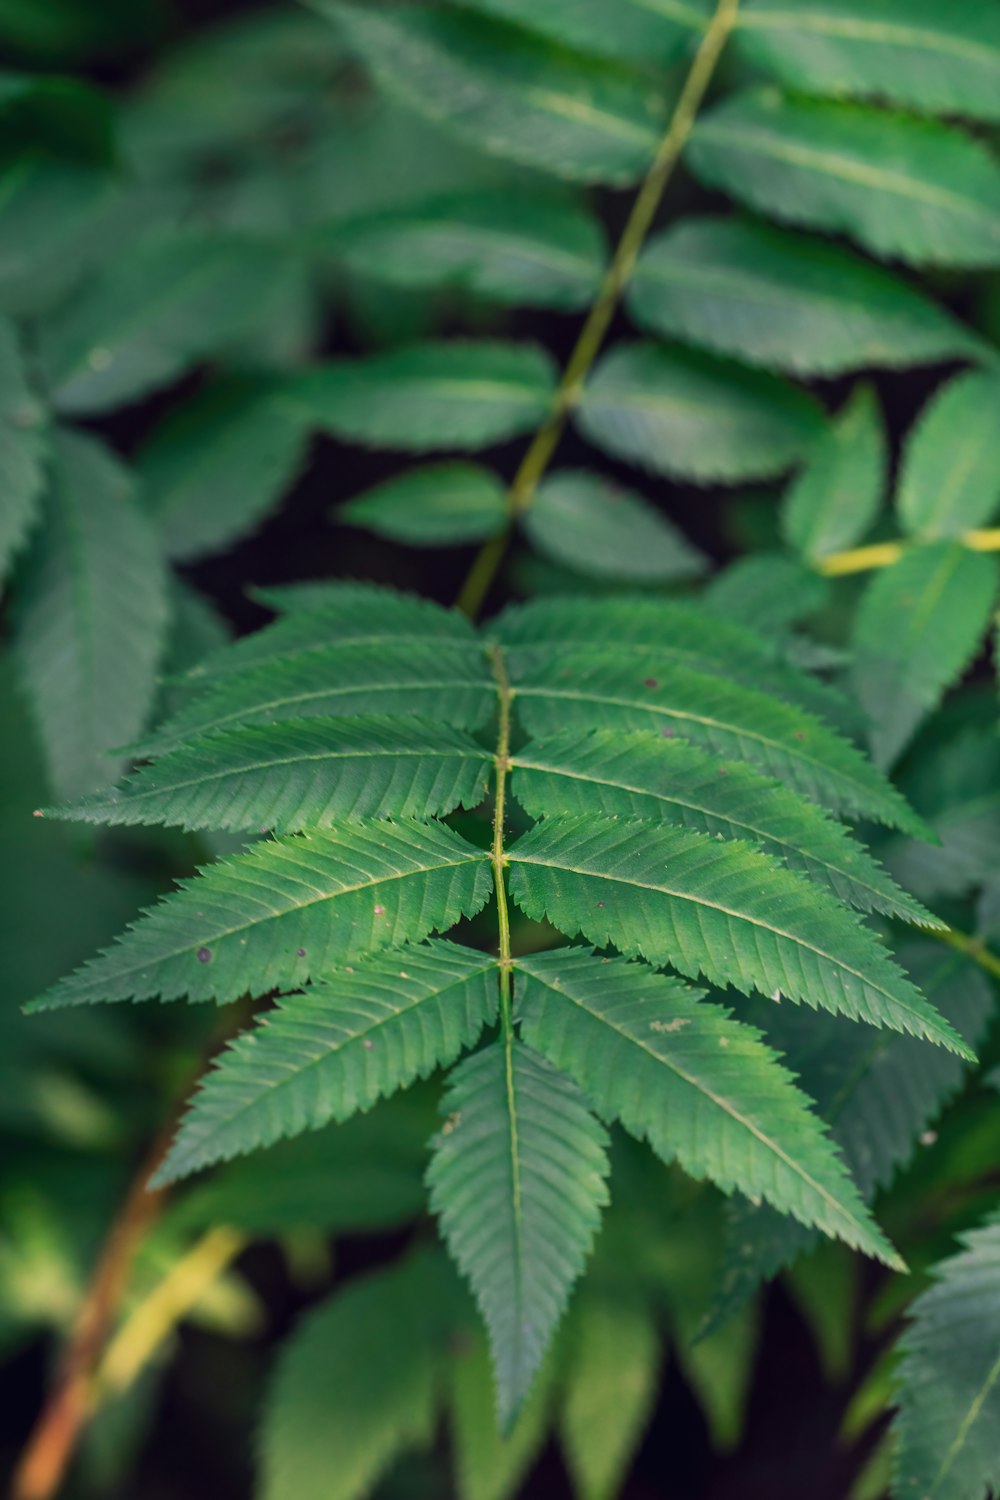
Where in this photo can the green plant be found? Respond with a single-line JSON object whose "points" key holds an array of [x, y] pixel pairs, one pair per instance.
{"points": [[513, 849]]}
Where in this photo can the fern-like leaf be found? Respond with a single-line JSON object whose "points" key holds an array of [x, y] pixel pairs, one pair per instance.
{"points": [[517, 1178], [628, 692], [717, 908], [645, 776], [949, 1380], [288, 910], [310, 773], [351, 1039], [701, 1087]]}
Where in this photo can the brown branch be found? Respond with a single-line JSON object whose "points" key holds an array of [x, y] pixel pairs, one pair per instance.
{"points": [[64, 1416], [72, 1398]]}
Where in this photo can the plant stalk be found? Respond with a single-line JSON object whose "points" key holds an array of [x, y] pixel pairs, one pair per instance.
{"points": [[545, 441]]}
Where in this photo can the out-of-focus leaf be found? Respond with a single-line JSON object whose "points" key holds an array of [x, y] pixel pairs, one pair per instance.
{"points": [[436, 506], [436, 395], [680, 413], [950, 479], [786, 301], [170, 302], [216, 466], [91, 617], [600, 529], [525, 251], [903, 187], [835, 498], [918, 626], [510, 93]]}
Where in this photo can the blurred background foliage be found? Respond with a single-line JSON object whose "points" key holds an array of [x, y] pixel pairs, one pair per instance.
{"points": [[189, 202]]}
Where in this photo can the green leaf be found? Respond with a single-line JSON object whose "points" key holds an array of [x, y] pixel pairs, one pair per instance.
{"points": [[310, 773], [878, 1091], [786, 301], [717, 908], [168, 302], [669, 633], [22, 450], [215, 467], [517, 1178], [427, 679], [356, 1385], [317, 616], [609, 1391], [642, 775], [919, 624], [288, 910], [768, 592], [508, 247], [630, 29], [681, 413], [950, 479], [596, 527], [949, 1379], [439, 395], [438, 505], [353, 1037], [702, 1088], [942, 59], [509, 93], [92, 615], [836, 497], [586, 690], [902, 187]]}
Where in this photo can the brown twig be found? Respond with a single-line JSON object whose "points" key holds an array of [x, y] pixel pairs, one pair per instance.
{"points": [[61, 1422], [72, 1398]]}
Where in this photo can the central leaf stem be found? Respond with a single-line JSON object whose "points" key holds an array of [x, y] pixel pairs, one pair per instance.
{"points": [[498, 857], [543, 445]]}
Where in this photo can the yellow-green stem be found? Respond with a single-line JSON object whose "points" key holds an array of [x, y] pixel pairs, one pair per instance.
{"points": [[498, 857], [152, 1322], [972, 947], [543, 445], [884, 554]]}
